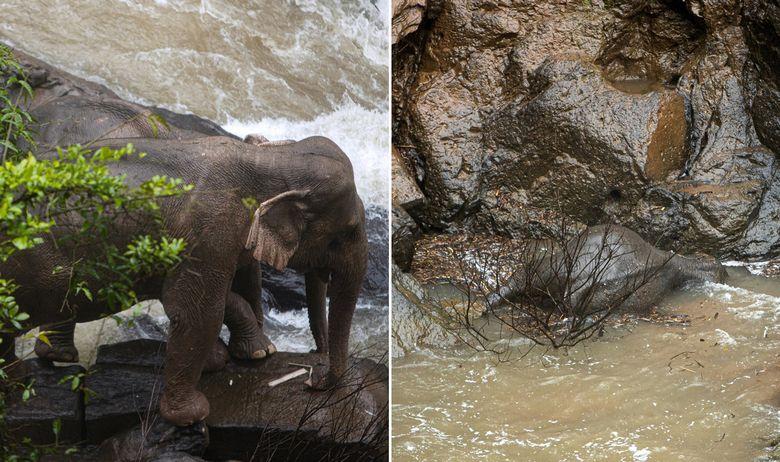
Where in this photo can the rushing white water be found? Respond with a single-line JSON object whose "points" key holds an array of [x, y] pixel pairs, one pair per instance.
{"points": [[366, 143], [285, 69]]}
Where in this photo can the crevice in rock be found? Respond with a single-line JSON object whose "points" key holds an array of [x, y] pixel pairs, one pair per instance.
{"points": [[650, 46]]}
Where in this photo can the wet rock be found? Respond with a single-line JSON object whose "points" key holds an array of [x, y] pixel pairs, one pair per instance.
{"points": [[580, 144], [650, 45], [761, 25], [412, 327], [407, 16], [290, 420], [52, 400], [287, 288], [156, 441], [406, 193], [125, 387], [628, 112], [405, 233], [376, 283]]}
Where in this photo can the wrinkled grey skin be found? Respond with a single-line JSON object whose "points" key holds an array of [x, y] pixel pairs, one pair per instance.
{"points": [[614, 264], [312, 221], [79, 119]]}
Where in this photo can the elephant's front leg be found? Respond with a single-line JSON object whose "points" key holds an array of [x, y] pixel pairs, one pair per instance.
{"points": [[247, 340], [316, 289], [194, 300]]}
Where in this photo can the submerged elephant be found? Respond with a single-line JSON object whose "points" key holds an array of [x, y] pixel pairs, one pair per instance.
{"points": [[606, 266], [310, 219]]}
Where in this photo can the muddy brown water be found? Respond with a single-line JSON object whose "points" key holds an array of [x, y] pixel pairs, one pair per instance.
{"points": [[643, 392]]}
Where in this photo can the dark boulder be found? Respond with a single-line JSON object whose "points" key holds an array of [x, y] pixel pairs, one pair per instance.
{"points": [[761, 25], [54, 399], [376, 283], [156, 440], [125, 385]]}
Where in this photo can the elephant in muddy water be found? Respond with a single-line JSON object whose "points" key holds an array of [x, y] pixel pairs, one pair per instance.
{"points": [[310, 219], [605, 266]]}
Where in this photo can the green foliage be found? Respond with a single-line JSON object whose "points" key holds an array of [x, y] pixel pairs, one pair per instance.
{"points": [[14, 120], [73, 201]]}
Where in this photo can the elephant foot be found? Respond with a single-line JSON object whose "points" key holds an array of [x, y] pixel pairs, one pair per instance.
{"points": [[184, 409], [254, 346], [217, 358], [63, 353]]}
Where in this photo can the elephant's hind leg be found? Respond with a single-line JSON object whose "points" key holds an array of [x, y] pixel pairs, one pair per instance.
{"points": [[247, 340], [61, 347]]}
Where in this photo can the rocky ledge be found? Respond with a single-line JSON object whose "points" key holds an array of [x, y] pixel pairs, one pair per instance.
{"points": [[109, 415]]}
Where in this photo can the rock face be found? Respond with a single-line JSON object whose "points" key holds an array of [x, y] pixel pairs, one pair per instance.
{"points": [[660, 115], [407, 16], [412, 327]]}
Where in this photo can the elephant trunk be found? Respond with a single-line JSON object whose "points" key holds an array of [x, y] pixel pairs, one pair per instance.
{"points": [[695, 269]]}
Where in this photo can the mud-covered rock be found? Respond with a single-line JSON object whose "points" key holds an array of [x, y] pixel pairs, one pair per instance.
{"points": [[405, 233], [156, 441], [412, 327], [658, 115], [53, 399], [407, 16]]}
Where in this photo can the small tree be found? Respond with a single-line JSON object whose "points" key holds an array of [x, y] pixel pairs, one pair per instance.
{"points": [[72, 198], [556, 291]]}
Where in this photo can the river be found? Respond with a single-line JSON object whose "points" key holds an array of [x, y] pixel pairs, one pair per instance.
{"points": [[645, 391]]}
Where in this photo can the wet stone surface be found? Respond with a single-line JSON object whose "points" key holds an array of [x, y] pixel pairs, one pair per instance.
{"points": [[119, 420], [52, 400]]}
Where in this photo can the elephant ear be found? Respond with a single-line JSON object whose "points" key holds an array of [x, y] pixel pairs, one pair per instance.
{"points": [[277, 227]]}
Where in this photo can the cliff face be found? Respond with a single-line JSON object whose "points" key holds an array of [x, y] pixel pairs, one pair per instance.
{"points": [[661, 115]]}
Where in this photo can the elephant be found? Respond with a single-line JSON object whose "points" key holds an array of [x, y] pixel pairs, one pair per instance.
{"points": [[82, 119], [605, 266], [310, 219], [85, 120]]}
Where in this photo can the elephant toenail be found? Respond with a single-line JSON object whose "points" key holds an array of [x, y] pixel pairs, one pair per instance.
{"points": [[271, 349], [258, 354]]}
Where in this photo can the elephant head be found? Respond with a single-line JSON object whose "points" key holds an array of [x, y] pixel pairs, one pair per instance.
{"points": [[317, 226]]}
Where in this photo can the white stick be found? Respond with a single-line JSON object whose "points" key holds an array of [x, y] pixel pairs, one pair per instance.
{"points": [[286, 377]]}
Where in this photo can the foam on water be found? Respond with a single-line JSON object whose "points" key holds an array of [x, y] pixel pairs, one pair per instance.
{"points": [[361, 133]]}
